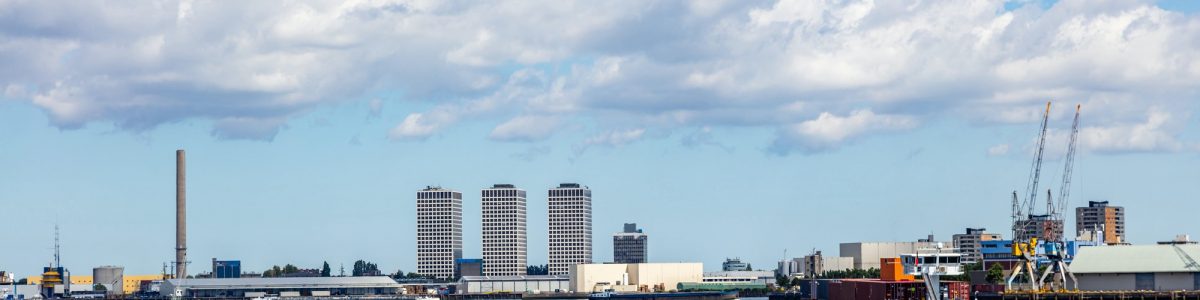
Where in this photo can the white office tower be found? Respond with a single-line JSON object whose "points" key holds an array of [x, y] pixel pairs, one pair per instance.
{"points": [[504, 240], [570, 227], [439, 231]]}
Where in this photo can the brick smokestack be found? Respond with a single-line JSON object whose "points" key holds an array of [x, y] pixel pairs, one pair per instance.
{"points": [[180, 214]]}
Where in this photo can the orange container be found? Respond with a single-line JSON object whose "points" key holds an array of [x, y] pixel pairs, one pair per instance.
{"points": [[891, 269]]}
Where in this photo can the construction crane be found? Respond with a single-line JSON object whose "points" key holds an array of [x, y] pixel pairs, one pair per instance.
{"points": [[1024, 247], [1054, 249]]}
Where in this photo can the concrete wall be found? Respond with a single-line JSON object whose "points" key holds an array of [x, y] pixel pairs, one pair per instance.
{"points": [[1105, 282], [1174, 281], [594, 277], [839, 263]]}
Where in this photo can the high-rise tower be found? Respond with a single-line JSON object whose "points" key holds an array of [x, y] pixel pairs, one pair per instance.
{"points": [[570, 227], [439, 231], [504, 238]]}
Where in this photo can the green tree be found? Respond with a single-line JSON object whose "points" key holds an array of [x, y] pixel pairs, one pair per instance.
{"points": [[782, 281], [995, 274], [364, 268], [325, 271], [99, 287], [274, 271], [289, 269]]}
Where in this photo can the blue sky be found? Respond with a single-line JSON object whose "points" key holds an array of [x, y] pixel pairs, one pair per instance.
{"points": [[747, 127]]}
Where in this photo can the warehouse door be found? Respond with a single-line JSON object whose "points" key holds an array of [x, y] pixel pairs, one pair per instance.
{"points": [[1143, 281]]}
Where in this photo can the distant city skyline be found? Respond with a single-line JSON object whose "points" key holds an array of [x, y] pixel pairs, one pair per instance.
{"points": [[727, 129]]}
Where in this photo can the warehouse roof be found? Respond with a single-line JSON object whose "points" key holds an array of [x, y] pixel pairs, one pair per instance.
{"points": [[286, 282], [1136, 259]]}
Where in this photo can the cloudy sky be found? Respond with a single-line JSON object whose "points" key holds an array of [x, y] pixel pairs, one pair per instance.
{"points": [[753, 126]]}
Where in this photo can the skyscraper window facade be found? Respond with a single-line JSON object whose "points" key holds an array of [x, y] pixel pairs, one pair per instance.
{"points": [[570, 210], [504, 235], [439, 231]]}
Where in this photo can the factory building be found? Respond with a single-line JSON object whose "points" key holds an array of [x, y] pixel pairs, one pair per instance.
{"points": [[1100, 222], [281, 287], [514, 284], [586, 278], [570, 210], [439, 231], [1170, 267], [866, 255], [504, 240], [969, 243], [630, 245], [129, 283]]}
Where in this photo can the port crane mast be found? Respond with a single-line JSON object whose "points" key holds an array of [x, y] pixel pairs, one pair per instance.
{"points": [[1024, 246], [1055, 248]]}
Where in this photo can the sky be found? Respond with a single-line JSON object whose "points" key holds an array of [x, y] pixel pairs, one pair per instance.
{"points": [[752, 129]]}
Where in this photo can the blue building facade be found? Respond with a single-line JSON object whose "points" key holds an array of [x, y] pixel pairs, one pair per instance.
{"points": [[227, 268]]}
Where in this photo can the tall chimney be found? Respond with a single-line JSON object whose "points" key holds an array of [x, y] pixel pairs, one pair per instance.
{"points": [[180, 214]]}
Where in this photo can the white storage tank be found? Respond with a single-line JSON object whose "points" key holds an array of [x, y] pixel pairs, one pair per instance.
{"points": [[111, 277]]}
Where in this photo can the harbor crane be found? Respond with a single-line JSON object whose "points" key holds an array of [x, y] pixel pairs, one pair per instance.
{"points": [[1055, 248], [1024, 246]]}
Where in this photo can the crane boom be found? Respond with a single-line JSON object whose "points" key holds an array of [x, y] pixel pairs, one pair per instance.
{"points": [[1064, 191], [1036, 171]]}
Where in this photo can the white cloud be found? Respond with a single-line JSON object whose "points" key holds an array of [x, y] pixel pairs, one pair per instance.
{"points": [[637, 64], [1155, 134], [829, 131], [414, 126], [526, 128], [616, 137], [998, 150]]}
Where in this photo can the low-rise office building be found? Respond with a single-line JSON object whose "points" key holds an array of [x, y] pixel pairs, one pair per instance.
{"points": [[1140, 267], [633, 277], [281, 286], [514, 284], [969, 243]]}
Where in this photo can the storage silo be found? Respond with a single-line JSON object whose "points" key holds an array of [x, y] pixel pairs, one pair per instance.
{"points": [[111, 277]]}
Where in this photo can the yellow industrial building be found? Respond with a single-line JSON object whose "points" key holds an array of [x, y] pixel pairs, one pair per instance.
{"points": [[131, 283]]}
